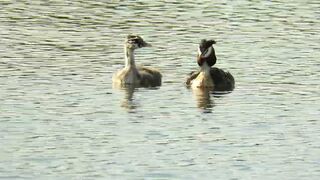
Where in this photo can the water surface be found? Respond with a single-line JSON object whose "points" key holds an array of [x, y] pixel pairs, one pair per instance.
{"points": [[60, 118]]}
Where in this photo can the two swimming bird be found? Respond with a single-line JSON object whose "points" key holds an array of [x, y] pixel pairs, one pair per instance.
{"points": [[207, 77]]}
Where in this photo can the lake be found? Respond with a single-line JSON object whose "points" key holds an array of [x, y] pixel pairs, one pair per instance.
{"points": [[60, 117]]}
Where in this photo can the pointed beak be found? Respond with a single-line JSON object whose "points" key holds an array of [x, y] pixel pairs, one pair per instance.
{"points": [[145, 44]]}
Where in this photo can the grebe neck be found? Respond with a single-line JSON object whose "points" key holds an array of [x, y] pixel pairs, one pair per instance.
{"points": [[129, 57], [205, 69]]}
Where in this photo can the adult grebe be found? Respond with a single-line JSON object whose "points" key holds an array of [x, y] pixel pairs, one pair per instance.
{"points": [[209, 77], [132, 75]]}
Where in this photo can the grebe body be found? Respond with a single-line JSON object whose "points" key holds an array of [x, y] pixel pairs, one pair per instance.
{"points": [[208, 76]]}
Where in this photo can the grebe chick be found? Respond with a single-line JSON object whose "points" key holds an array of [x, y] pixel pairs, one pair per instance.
{"points": [[132, 75], [208, 76]]}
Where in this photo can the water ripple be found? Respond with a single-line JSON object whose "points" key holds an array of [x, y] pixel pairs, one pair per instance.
{"points": [[60, 116]]}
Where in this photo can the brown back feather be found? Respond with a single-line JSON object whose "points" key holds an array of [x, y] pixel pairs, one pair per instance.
{"points": [[223, 81], [149, 77]]}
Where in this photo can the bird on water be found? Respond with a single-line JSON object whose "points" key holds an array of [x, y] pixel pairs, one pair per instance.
{"points": [[131, 74], [208, 76]]}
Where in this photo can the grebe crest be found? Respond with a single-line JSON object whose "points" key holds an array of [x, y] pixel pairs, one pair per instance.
{"points": [[206, 52], [135, 42]]}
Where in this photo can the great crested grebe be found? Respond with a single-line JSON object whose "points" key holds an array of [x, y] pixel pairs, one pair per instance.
{"points": [[209, 77], [131, 74]]}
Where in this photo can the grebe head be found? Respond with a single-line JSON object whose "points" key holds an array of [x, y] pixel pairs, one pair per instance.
{"points": [[206, 52], [135, 42]]}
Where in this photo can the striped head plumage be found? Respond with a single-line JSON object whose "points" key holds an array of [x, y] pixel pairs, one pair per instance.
{"points": [[206, 52], [135, 42]]}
